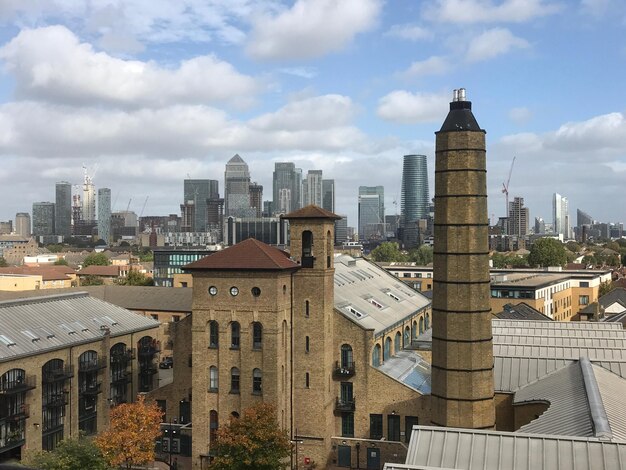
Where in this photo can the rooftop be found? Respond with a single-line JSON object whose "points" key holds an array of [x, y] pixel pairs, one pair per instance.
{"points": [[521, 311], [312, 212]]}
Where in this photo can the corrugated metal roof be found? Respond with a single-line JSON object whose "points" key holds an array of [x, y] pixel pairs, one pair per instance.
{"points": [[370, 296], [555, 325], [554, 352], [512, 373], [449, 448], [555, 333], [561, 341], [38, 324]]}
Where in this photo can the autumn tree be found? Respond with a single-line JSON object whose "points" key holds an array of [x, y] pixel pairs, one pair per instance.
{"points": [[96, 259], [70, 454], [133, 428], [252, 441], [547, 252]]}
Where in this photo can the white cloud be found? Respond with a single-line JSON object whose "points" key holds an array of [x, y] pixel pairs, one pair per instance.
{"points": [[410, 32], [302, 72], [51, 63], [596, 8], [492, 43], [488, 11], [405, 107], [600, 134], [520, 115], [311, 28], [434, 65]]}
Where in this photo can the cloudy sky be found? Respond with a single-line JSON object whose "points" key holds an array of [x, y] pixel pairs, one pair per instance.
{"points": [[150, 91]]}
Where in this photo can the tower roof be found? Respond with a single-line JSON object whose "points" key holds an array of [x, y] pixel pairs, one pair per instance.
{"points": [[250, 254], [312, 212], [460, 117], [236, 159]]}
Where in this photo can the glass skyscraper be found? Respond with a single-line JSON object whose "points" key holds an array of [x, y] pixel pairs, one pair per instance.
{"points": [[371, 212], [200, 191], [63, 209], [104, 214], [414, 196]]}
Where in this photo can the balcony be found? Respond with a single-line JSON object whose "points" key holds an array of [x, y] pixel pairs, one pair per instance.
{"points": [[92, 389], [121, 379], [91, 366], [123, 358], [13, 438], [345, 405], [18, 413], [150, 350], [19, 385], [148, 370], [58, 375], [343, 371], [57, 400]]}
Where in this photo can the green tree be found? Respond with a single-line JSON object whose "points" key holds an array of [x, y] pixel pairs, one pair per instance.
{"points": [[3, 262], [573, 246], [70, 454], [387, 252], [422, 255], [96, 259], [91, 281], [547, 252], [605, 288], [55, 248], [61, 262], [135, 278], [124, 243], [254, 441], [612, 246]]}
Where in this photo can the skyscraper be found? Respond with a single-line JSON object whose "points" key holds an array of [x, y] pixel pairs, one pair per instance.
{"points": [[286, 183], [43, 218], [328, 195], [22, 224], [104, 214], [540, 225], [462, 361], [414, 197], [63, 209], [237, 188], [89, 199], [256, 199], [518, 217], [560, 211], [582, 218], [312, 188], [371, 212], [200, 191]]}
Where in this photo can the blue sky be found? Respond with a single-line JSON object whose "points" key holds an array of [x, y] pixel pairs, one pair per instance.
{"points": [[149, 91]]}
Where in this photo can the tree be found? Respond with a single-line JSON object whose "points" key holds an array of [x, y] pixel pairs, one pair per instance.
{"points": [[422, 255], [388, 251], [133, 428], [547, 252], [3, 262], [124, 243], [252, 441], [61, 262], [96, 259], [70, 454], [605, 288], [135, 278], [91, 280]]}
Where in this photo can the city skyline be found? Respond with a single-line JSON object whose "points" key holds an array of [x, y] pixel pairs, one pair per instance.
{"points": [[183, 90]]}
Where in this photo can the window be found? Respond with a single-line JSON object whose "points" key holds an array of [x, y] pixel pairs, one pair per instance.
{"points": [[306, 309], [427, 321], [306, 380], [155, 316], [407, 336], [257, 382], [234, 380], [347, 424], [346, 356], [213, 425], [175, 318], [393, 427], [376, 426], [376, 356], [409, 422], [234, 335], [396, 343], [257, 335], [387, 350], [213, 379], [307, 344], [583, 300], [213, 334], [584, 284], [256, 291]]}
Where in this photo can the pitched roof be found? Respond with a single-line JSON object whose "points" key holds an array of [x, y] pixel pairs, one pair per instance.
{"points": [[521, 311], [94, 270], [249, 254], [47, 273], [236, 159], [311, 212]]}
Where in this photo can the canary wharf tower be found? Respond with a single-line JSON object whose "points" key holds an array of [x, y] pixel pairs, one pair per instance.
{"points": [[462, 364]]}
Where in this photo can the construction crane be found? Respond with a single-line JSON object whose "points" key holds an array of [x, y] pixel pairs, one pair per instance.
{"points": [[505, 189]]}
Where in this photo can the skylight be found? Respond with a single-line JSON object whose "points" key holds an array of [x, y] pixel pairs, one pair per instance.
{"points": [[6, 340], [32, 336]]}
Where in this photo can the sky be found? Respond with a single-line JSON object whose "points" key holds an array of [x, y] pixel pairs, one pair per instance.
{"points": [[146, 93]]}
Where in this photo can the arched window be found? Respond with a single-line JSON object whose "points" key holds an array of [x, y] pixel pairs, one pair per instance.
{"points": [[213, 379], [257, 335], [376, 355], [421, 330], [397, 342], [387, 350], [407, 337], [307, 249], [54, 399], [234, 335], [414, 330], [234, 380], [213, 425], [346, 356], [257, 382], [234, 415], [214, 335], [88, 389], [427, 323], [120, 376]]}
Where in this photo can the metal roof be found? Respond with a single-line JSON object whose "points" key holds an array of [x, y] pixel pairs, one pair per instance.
{"points": [[562, 341], [554, 325], [371, 297], [556, 333], [409, 368], [558, 352], [38, 324], [450, 448]]}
